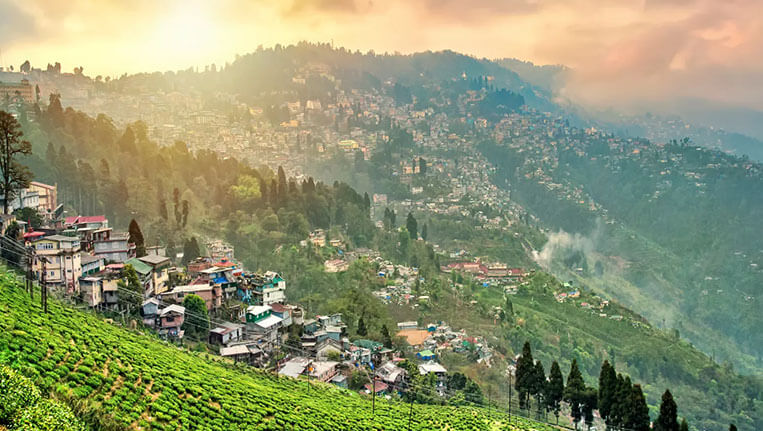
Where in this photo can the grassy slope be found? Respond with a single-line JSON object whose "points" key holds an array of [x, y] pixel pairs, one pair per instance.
{"points": [[121, 379]]}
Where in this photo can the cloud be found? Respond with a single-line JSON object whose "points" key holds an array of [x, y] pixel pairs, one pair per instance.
{"points": [[16, 24]]}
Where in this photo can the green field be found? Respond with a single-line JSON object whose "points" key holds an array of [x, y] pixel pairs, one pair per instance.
{"points": [[119, 379]]}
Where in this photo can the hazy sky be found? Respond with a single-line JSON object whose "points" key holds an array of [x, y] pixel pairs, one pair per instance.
{"points": [[634, 50]]}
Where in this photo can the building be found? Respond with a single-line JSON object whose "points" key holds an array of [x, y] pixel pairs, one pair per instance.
{"points": [[170, 321], [160, 277], [219, 250], [267, 289], [211, 294], [60, 255], [47, 195], [91, 264], [226, 333], [99, 291], [17, 91], [260, 320], [92, 222]]}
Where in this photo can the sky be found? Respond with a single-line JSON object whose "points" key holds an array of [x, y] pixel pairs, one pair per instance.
{"points": [[622, 52]]}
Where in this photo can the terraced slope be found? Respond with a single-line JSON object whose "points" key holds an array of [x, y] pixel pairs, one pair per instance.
{"points": [[118, 379]]}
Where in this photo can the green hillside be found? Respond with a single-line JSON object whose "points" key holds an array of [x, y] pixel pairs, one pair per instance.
{"points": [[119, 379]]}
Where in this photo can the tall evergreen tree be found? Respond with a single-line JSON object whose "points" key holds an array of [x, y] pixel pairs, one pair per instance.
{"points": [[386, 337], [525, 375], [555, 389], [15, 176], [732, 427], [574, 392], [639, 417], [424, 232], [685, 426], [412, 226], [191, 250], [607, 390], [282, 185], [196, 321], [362, 331], [136, 237], [668, 418], [538, 388]]}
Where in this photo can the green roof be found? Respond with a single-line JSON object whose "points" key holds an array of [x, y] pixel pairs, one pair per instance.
{"points": [[368, 344], [139, 266], [425, 353]]}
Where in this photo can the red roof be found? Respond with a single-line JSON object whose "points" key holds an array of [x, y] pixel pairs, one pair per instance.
{"points": [[33, 234], [115, 266], [278, 308], [85, 219], [380, 386]]}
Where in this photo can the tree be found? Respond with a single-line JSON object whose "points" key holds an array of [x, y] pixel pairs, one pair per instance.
{"points": [[196, 320], [668, 417], [588, 400], [424, 232], [732, 427], [136, 237], [386, 338], [422, 166], [639, 416], [130, 294], [190, 250], [281, 184], [538, 388], [15, 176], [574, 391], [362, 331], [176, 203], [185, 212], [412, 226], [607, 390], [555, 389], [29, 215], [525, 375]]}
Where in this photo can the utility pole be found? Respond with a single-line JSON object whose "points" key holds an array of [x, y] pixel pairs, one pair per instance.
{"points": [[510, 395], [373, 391], [44, 285], [410, 412], [29, 282]]}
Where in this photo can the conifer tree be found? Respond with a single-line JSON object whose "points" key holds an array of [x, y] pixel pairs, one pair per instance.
{"points": [[362, 331], [732, 427], [685, 426], [639, 417], [525, 375], [607, 390], [555, 389], [574, 392], [668, 418], [136, 237], [424, 232], [538, 388], [412, 226]]}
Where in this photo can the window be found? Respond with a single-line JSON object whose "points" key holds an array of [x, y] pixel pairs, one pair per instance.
{"points": [[170, 319]]}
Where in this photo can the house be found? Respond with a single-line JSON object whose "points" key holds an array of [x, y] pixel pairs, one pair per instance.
{"points": [[91, 290], [91, 264], [210, 294], [93, 222], [336, 265], [247, 353], [220, 250], [156, 250], [415, 337], [433, 367], [144, 274], [226, 333], [197, 265], [221, 277], [391, 373], [171, 320], [325, 348], [112, 246], [295, 367], [425, 355], [407, 325], [267, 289], [339, 380], [60, 255], [6, 220], [159, 272], [150, 311], [47, 195], [283, 312], [260, 320], [378, 387], [323, 370]]}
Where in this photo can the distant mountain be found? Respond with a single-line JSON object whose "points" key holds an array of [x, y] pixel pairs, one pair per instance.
{"points": [[549, 77]]}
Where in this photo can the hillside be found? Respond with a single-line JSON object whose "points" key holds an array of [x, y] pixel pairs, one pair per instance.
{"points": [[120, 379]]}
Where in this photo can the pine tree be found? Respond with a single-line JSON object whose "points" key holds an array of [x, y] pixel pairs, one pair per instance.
{"points": [[190, 250], [668, 418], [282, 185], [130, 294], [185, 212], [15, 176], [732, 427], [639, 417], [685, 426], [539, 384], [554, 388], [412, 226], [424, 232], [136, 237], [386, 338], [362, 331], [525, 375], [607, 389], [574, 392]]}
